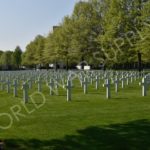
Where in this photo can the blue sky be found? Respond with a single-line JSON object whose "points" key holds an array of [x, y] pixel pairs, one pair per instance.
{"points": [[22, 20]]}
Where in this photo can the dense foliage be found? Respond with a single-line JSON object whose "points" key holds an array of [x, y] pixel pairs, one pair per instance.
{"points": [[97, 32], [11, 60]]}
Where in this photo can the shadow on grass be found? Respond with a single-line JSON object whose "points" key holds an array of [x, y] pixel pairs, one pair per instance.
{"points": [[129, 136]]}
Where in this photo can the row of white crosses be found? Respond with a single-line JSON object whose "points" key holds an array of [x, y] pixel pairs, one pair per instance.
{"points": [[7, 82], [56, 79], [125, 76], [86, 80]]}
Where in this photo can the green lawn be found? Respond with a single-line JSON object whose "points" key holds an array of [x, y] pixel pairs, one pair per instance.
{"points": [[89, 122]]}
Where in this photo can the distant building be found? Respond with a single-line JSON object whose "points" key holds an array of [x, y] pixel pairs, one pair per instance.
{"points": [[55, 27]]}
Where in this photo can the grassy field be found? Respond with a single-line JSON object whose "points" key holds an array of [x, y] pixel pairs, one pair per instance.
{"points": [[89, 122]]}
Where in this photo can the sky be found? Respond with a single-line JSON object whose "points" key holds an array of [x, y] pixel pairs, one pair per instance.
{"points": [[22, 20]]}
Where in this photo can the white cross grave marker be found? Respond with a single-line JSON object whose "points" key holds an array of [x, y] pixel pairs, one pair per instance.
{"points": [[25, 88], [15, 84], [8, 83], [116, 84], [107, 85], [85, 84], [51, 86], [97, 82], [39, 82], [68, 87]]}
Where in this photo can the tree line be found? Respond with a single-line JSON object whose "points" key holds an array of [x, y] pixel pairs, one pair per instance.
{"points": [[10, 60], [97, 32]]}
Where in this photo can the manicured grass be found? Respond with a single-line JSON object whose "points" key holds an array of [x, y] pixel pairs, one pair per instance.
{"points": [[88, 122]]}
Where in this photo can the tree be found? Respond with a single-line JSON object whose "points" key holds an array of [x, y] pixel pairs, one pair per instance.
{"points": [[17, 58], [34, 52], [86, 28], [143, 44], [6, 60], [39, 49], [111, 29], [1, 52]]}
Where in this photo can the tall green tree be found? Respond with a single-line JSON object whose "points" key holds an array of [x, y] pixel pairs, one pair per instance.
{"points": [[28, 57], [39, 49], [143, 44], [1, 52], [86, 27], [17, 58], [34, 52], [6, 59], [111, 29]]}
